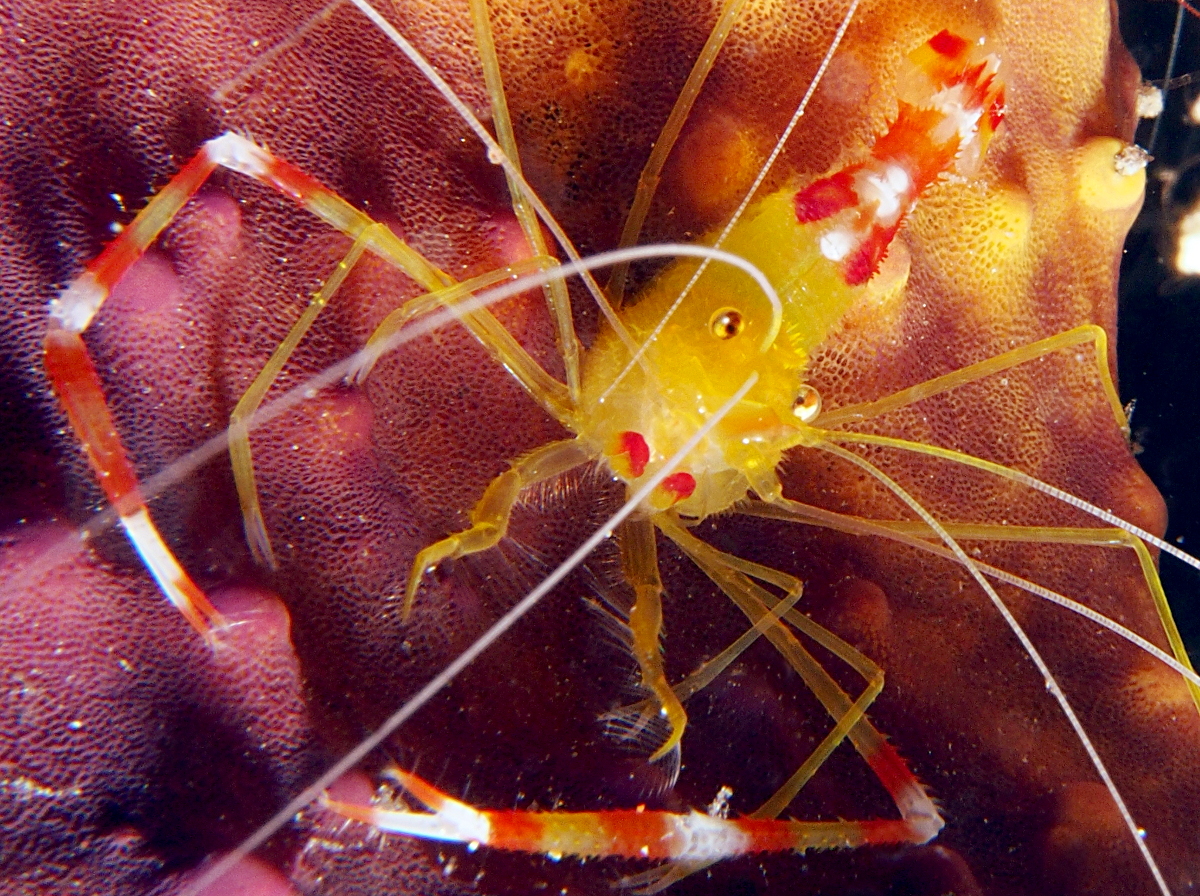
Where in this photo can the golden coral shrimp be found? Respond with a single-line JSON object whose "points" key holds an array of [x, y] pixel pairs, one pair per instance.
{"points": [[749, 357], [684, 324]]}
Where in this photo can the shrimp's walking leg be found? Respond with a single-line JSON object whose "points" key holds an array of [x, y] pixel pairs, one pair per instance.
{"points": [[239, 429], [734, 577], [489, 518], [708, 671], [79, 389], [444, 292], [627, 833], [367, 234], [239, 432], [484, 326], [973, 372], [639, 559], [917, 535], [693, 841], [557, 297], [1088, 333], [74, 378]]}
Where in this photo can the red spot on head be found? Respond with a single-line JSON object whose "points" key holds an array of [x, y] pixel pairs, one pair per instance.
{"points": [[679, 485], [827, 196], [633, 445]]}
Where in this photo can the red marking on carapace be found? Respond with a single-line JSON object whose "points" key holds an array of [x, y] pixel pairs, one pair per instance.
{"points": [[633, 446], [827, 196], [943, 58], [910, 143], [679, 485]]}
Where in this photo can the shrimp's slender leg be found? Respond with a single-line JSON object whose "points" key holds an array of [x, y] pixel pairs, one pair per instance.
{"points": [[74, 378], [733, 576], [1088, 333], [626, 833], [919, 536], [484, 326], [239, 433], [692, 841], [367, 234], [708, 672], [651, 174], [557, 297], [542, 385], [973, 372], [489, 518], [639, 559], [78, 386]]}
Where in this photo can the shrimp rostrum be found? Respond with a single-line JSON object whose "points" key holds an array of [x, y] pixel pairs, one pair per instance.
{"points": [[862, 433]]}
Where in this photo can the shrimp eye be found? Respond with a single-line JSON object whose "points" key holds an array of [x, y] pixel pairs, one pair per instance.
{"points": [[727, 323], [807, 404]]}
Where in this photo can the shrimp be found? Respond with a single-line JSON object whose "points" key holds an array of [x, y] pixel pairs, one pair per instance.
{"points": [[909, 532]]}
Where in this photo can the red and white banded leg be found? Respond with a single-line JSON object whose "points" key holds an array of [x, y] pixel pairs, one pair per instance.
{"points": [[626, 833], [73, 375]]}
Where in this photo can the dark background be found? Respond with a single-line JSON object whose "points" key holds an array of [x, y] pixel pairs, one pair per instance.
{"points": [[1159, 341]]}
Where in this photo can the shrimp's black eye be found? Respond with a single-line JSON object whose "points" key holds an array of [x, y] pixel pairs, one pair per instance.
{"points": [[726, 323], [807, 404]]}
